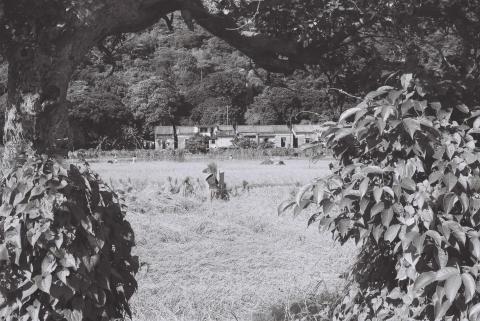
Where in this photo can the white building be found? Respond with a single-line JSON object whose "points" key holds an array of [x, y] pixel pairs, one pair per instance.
{"points": [[222, 136], [306, 134], [184, 133], [164, 138], [279, 135]]}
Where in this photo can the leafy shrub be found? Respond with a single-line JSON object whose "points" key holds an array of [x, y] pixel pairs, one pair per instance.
{"points": [[407, 188], [65, 246], [266, 145], [244, 143], [197, 144]]}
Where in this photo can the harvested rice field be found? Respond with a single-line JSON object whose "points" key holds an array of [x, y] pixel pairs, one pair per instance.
{"points": [[208, 259]]}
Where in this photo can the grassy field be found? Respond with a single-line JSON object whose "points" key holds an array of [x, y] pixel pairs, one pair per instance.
{"points": [[294, 171], [219, 260]]}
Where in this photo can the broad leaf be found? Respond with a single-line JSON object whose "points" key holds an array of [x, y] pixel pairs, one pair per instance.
{"points": [[377, 208], [406, 80], [441, 309], [424, 279], [387, 216], [348, 113], [377, 194], [452, 285], [411, 126], [392, 232], [474, 311], [449, 201], [302, 193], [445, 273], [469, 284], [3, 253], [285, 205]]}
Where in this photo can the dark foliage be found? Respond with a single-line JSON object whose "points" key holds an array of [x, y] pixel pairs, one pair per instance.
{"points": [[65, 246], [198, 144], [405, 187]]}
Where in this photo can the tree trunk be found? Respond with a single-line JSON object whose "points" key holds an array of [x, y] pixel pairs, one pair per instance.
{"points": [[36, 114]]}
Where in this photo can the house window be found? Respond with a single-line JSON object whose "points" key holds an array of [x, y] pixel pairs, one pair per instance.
{"points": [[283, 141], [212, 142], [307, 140]]}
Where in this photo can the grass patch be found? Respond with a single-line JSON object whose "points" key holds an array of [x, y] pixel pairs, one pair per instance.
{"points": [[317, 307], [235, 260]]}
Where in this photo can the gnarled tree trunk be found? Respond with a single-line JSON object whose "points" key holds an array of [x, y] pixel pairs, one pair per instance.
{"points": [[44, 40], [36, 116], [48, 43]]}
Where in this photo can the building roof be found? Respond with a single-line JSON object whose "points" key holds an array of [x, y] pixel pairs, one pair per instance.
{"points": [[205, 126], [225, 127], [186, 130], [225, 131], [164, 130], [307, 129], [263, 129]]}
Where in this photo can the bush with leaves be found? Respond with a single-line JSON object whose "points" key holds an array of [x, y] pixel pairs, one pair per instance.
{"points": [[406, 187], [197, 144], [244, 143], [266, 145], [65, 246]]}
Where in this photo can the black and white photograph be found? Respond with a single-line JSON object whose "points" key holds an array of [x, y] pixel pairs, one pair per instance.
{"points": [[240, 160]]}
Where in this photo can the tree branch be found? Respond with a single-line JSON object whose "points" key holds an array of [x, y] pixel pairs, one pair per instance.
{"points": [[169, 21]]}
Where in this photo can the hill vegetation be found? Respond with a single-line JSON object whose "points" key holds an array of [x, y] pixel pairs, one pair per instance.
{"points": [[184, 77]]}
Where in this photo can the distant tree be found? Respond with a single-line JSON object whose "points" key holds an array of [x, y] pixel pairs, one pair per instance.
{"points": [[225, 84], [130, 138], [164, 60], [211, 111], [188, 39], [355, 43], [275, 105], [185, 72], [153, 102], [315, 105], [99, 115], [209, 99], [205, 61]]}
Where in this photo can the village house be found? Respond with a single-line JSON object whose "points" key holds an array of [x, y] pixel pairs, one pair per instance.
{"points": [[184, 133], [206, 130], [222, 136], [164, 138], [279, 135], [248, 131], [305, 134]]}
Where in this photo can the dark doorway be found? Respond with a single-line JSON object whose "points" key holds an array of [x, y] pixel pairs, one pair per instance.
{"points": [[295, 142]]}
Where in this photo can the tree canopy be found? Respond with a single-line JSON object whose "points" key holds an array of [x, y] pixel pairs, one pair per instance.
{"points": [[338, 49], [339, 43]]}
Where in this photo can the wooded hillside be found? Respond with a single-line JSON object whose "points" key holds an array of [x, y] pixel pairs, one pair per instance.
{"points": [[160, 77]]}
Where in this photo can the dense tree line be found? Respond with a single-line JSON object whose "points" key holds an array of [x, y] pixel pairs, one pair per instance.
{"points": [[157, 77], [331, 51], [169, 74], [182, 78]]}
